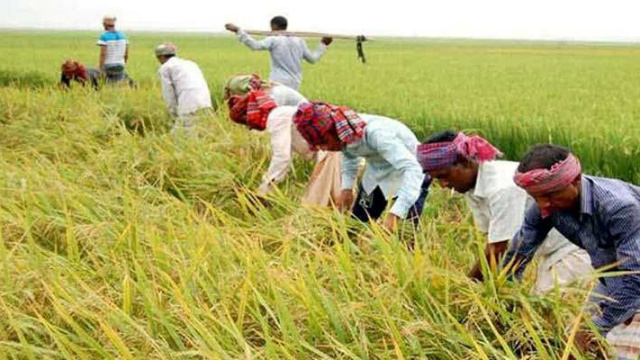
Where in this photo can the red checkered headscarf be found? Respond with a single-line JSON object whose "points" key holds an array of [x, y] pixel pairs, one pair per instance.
{"points": [[546, 181], [316, 121], [74, 70], [441, 155], [251, 109]]}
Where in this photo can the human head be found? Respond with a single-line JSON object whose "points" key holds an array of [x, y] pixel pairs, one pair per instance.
{"points": [[551, 175], [279, 23], [109, 22], [458, 173], [251, 109], [328, 127], [165, 51], [453, 158], [241, 84], [69, 67]]}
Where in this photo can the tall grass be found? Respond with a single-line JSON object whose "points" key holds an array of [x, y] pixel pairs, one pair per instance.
{"points": [[118, 241], [116, 245], [584, 96]]}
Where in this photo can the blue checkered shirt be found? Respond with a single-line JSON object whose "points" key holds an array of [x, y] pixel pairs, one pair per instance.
{"points": [[608, 228]]}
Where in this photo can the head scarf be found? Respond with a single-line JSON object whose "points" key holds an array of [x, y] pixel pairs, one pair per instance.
{"points": [[251, 109], [242, 84], [441, 155], [546, 181], [317, 120], [74, 70]]}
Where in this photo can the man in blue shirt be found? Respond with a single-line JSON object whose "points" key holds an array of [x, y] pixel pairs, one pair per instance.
{"points": [[597, 214], [389, 148], [114, 51], [286, 51]]}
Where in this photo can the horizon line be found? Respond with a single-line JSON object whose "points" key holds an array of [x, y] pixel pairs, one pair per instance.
{"points": [[608, 39]]}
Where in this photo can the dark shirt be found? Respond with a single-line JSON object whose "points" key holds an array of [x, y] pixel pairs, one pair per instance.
{"points": [[608, 228]]}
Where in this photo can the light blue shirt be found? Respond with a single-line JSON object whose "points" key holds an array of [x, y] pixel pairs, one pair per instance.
{"points": [[389, 147], [287, 53]]}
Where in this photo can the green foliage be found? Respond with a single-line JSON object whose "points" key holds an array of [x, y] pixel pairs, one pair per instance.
{"points": [[118, 241]]}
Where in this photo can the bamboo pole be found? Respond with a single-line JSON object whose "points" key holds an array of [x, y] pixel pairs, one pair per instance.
{"points": [[305, 34]]}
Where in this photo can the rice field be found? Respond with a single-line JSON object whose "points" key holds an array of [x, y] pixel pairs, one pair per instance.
{"points": [[120, 242]]}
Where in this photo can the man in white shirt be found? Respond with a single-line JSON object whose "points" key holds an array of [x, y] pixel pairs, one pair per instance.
{"points": [[286, 51], [268, 115], [467, 164], [184, 89]]}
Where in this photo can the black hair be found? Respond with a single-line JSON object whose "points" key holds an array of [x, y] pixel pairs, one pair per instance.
{"points": [[442, 136], [542, 156], [447, 136], [279, 22]]}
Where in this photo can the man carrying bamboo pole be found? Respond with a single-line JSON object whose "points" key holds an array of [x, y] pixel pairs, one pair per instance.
{"points": [[286, 51]]}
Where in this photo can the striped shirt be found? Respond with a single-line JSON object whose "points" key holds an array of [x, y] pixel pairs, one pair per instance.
{"points": [[608, 228], [116, 43]]}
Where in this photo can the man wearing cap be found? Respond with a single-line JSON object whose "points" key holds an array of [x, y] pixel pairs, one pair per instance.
{"points": [[286, 52], [114, 51], [600, 215], [468, 165], [74, 71], [184, 89]]}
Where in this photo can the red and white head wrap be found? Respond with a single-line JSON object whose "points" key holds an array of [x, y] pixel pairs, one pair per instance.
{"points": [[441, 155], [546, 181], [251, 109]]}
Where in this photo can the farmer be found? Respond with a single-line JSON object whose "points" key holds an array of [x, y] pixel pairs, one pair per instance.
{"points": [[184, 89], [114, 51], [600, 215], [467, 165], [258, 110], [72, 70], [286, 51], [283, 95], [389, 147]]}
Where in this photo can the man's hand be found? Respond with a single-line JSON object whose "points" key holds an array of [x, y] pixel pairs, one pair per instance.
{"points": [[346, 200], [585, 340], [232, 28], [391, 221], [327, 40]]}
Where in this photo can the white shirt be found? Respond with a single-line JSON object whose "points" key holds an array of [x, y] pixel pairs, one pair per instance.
{"points": [[286, 96], [498, 206], [285, 140], [287, 53], [183, 86]]}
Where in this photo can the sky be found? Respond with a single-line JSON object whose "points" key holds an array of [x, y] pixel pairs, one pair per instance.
{"points": [[607, 20]]}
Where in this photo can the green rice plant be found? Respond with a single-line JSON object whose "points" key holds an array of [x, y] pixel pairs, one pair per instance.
{"points": [[119, 241]]}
